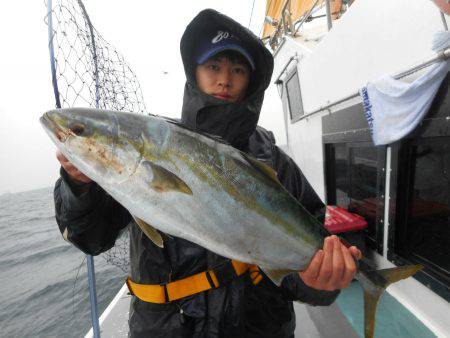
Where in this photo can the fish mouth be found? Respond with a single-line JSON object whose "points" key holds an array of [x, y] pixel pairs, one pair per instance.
{"points": [[55, 131]]}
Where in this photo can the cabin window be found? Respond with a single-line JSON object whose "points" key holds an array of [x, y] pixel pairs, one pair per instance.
{"points": [[294, 97], [353, 183], [422, 232]]}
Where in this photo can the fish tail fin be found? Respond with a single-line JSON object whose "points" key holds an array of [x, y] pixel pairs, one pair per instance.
{"points": [[374, 283]]}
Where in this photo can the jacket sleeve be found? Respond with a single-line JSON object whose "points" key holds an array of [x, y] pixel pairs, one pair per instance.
{"points": [[296, 183], [87, 216]]}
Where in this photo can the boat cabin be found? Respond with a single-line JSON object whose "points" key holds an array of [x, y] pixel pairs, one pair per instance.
{"points": [[324, 54]]}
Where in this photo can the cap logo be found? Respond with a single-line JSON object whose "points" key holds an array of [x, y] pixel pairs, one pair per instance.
{"points": [[220, 36]]}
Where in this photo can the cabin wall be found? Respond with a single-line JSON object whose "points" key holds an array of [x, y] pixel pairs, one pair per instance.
{"points": [[306, 135], [373, 38], [289, 48]]}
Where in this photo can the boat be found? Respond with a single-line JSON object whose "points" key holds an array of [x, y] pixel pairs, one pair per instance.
{"points": [[325, 51]]}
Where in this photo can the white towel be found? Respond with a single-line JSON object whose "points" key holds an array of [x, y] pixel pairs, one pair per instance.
{"points": [[393, 108]]}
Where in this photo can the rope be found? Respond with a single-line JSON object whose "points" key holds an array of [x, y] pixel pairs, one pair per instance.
{"points": [[251, 15]]}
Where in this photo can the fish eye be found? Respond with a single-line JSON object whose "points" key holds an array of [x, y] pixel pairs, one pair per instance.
{"points": [[78, 129]]}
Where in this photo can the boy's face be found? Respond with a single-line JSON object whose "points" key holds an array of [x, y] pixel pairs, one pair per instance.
{"points": [[223, 78]]}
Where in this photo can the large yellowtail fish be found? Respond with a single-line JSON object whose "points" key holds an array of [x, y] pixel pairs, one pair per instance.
{"points": [[196, 187]]}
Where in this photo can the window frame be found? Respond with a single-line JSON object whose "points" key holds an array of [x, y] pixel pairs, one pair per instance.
{"points": [[294, 116], [403, 167], [349, 126], [376, 242]]}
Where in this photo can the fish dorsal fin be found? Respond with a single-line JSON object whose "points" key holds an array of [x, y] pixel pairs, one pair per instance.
{"points": [[164, 180], [263, 168], [216, 138], [150, 231], [183, 126]]}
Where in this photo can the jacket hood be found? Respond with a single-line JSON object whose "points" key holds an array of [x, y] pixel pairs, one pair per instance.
{"points": [[234, 122]]}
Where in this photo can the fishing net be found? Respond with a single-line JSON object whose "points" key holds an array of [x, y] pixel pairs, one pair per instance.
{"points": [[87, 71]]}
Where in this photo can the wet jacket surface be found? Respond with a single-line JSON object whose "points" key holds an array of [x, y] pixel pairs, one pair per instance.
{"points": [[92, 220]]}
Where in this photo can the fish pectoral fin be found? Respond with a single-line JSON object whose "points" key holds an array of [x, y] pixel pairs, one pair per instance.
{"points": [[150, 231], [277, 275], [164, 180]]}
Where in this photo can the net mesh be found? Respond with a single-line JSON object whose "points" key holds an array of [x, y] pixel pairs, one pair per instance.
{"points": [[90, 72]]}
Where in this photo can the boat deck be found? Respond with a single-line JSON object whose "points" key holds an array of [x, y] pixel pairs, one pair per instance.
{"points": [[344, 318]]}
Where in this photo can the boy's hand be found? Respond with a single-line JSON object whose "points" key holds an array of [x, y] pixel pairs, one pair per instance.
{"points": [[333, 267], [73, 172]]}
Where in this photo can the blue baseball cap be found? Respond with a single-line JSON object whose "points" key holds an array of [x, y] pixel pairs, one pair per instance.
{"points": [[219, 41]]}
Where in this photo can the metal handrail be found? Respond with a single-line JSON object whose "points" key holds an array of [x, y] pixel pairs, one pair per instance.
{"points": [[304, 18], [444, 55], [285, 23], [292, 58]]}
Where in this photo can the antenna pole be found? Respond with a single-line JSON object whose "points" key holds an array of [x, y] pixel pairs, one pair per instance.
{"points": [[328, 8]]}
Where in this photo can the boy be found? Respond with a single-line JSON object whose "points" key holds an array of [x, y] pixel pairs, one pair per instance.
{"points": [[227, 70]]}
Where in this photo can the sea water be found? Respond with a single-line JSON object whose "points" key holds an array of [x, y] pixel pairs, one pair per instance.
{"points": [[43, 279]]}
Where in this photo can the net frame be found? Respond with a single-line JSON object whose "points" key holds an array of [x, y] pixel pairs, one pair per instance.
{"points": [[87, 71]]}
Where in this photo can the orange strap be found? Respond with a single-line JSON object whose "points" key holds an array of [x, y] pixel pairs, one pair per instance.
{"points": [[188, 286]]}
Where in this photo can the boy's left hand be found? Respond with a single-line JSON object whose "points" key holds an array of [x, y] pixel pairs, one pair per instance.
{"points": [[333, 267]]}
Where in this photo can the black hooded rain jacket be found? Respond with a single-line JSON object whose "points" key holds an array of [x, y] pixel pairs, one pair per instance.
{"points": [[91, 220]]}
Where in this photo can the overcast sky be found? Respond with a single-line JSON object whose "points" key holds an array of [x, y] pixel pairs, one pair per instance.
{"points": [[147, 33]]}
